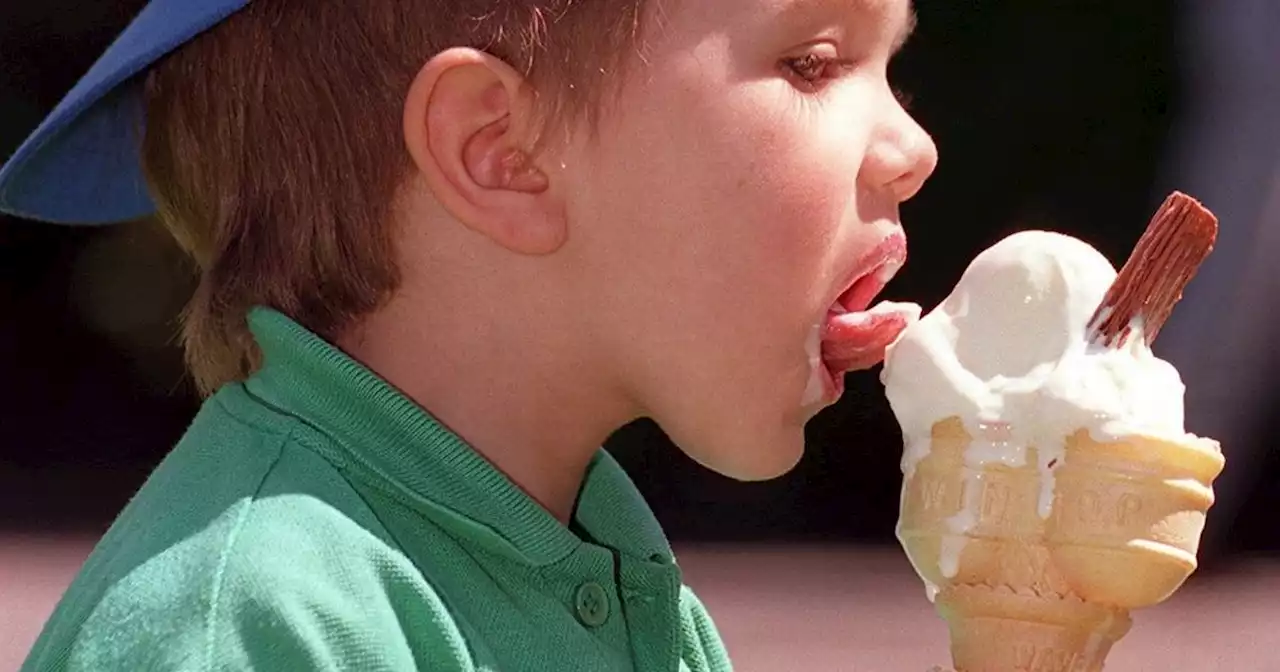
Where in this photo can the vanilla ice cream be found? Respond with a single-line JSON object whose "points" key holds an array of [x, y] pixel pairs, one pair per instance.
{"points": [[1009, 354]]}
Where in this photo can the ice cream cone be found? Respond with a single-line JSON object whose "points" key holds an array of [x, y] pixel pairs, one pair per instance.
{"points": [[998, 630], [1036, 563]]}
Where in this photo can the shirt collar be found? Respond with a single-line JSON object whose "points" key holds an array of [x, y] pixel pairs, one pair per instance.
{"points": [[390, 439]]}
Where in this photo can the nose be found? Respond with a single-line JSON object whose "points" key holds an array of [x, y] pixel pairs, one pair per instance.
{"points": [[901, 155]]}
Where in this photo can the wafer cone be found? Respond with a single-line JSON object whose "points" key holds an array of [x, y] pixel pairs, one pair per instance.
{"points": [[998, 630], [1028, 587]]}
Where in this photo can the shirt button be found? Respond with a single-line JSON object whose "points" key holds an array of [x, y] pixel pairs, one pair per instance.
{"points": [[592, 604]]}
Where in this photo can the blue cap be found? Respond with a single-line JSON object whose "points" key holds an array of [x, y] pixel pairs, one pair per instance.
{"points": [[82, 165]]}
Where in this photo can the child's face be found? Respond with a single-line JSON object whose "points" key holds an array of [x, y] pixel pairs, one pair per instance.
{"points": [[757, 154]]}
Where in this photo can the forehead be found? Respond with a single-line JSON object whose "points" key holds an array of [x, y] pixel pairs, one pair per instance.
{"points": [[754, 11], [892, 18]]}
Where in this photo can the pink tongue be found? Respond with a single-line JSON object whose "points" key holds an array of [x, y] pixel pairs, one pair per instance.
{"points": [[855, 341]]}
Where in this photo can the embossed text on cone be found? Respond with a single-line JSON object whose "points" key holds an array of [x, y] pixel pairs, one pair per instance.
{"points": [[1025, 586]]}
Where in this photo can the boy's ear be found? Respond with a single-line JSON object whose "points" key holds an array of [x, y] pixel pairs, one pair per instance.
{"points": [[467, 122]]}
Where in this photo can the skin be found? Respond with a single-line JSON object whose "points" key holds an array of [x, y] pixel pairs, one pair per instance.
{"points": [[673, 265]]}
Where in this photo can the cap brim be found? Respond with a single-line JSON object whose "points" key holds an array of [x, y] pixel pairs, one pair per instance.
{"points": [[81, 164]]}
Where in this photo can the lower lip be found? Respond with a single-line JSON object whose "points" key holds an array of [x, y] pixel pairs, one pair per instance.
{"points": [[823, 389], [832, 385]]}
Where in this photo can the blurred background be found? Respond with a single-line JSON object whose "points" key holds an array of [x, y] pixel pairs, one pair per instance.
{"points": [[1077, 116]]}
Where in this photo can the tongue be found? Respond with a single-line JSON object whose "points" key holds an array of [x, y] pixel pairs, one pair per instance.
{"points": [[857, 340]]}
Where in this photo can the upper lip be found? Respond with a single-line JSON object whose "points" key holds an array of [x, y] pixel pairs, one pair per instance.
{"points": [[873, 270]]}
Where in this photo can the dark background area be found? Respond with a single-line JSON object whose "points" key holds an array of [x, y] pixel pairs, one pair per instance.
{"points": [[1047, 115]]}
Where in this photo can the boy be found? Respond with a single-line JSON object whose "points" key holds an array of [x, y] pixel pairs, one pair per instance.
{"points": [[445, 249]]}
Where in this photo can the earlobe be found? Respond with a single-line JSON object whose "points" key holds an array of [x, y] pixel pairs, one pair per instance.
{"points": [[467, 124]]}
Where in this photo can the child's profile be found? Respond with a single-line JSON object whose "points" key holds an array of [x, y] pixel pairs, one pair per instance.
{"points": [[445, 249]]}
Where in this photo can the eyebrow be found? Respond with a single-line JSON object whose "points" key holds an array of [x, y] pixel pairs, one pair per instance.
{"points": [[808, 8]]}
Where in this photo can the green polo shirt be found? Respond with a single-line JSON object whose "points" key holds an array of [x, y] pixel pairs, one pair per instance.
{"points": [[313, 518]]}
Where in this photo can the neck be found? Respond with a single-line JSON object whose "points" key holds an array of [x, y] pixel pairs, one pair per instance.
{"points": [[525, 401]]}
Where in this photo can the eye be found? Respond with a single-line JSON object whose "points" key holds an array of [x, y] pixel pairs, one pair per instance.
{"points": [[813, 70]]}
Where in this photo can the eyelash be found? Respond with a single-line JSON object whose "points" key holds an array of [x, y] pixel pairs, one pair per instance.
{"points": [[813, 71], [802, 68]]}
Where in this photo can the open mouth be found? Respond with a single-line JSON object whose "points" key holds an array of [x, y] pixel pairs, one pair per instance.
{"points": [[876, 268], [850, 333]]}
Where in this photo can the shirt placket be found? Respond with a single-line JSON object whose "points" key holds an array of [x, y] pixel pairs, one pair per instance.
{"points": [[595, 600], [651, 602]]}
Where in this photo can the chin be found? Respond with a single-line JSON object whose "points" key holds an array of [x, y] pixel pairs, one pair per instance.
{"points": [[747, 453], [750, 428]]}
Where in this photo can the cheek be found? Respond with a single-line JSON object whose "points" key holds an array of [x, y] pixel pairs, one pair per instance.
{"points": [[724, 210], [802, 197], [798, 193]]}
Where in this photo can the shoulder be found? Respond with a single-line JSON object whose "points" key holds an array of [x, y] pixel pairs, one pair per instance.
{"points": [[247, 551], [306, 587], [288, 583]]}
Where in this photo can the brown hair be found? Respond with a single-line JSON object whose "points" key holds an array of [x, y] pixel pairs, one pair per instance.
{"points": [[273, 148]]}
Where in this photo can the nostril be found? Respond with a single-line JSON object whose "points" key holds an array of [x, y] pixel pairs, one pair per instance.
{"points": [[920, 158]]}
